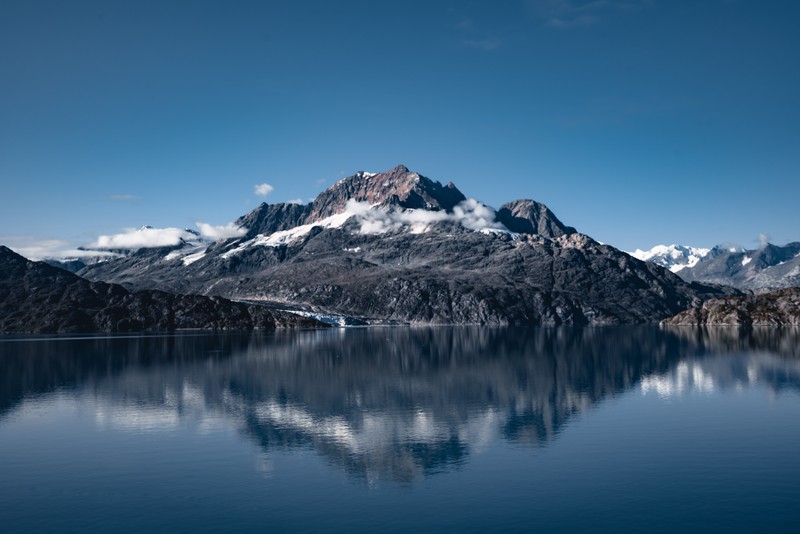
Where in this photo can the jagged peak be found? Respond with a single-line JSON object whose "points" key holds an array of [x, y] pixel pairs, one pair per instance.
{"points": [[527, 216], [398, 186]]}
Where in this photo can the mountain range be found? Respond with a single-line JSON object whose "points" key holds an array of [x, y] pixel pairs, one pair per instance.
{"points": [[672, 257], [399, 248], [766, 268]]}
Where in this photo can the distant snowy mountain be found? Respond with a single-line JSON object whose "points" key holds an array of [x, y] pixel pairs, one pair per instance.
{"points": [[673, 257], [766, 268]]}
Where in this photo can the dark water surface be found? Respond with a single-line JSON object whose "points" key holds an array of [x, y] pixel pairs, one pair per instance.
{"points": [[403, 429]]}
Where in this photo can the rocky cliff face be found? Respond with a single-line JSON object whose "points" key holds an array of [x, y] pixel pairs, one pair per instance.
{"points": [[781, 307], [36, 297], [397, 247]]}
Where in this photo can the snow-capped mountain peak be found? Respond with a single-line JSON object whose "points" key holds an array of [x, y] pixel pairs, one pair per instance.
{"points": [[673, 257]]}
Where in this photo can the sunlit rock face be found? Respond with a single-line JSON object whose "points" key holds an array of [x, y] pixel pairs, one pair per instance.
{"points": [[389, 403], [399, 248]]}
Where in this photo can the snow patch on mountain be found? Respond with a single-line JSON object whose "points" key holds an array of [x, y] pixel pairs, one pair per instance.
{"points": [[372, 220], [284, 237], [673, 257]]}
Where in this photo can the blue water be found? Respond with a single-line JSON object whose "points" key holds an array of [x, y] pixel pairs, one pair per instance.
{"points": [[403, 429]]}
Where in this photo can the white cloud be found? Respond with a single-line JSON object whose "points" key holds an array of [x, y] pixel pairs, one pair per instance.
{"points": [[144, 237], [470, 213], [373, 220], [263, 190], [39, 249], [476, 216], [220, 232], [295, 201]]}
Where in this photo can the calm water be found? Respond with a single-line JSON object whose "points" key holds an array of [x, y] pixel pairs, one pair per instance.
{"points": [[398, 429]]}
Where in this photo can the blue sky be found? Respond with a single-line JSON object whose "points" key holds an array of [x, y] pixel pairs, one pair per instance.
{"points": [[637, 121]]}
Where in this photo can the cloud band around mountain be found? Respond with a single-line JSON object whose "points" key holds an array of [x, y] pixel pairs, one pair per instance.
{"points": [[220, 232]]}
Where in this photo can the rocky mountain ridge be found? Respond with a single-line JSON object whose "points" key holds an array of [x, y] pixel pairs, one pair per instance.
{"points": [[37, 297], [763, 269], [766, 268]]}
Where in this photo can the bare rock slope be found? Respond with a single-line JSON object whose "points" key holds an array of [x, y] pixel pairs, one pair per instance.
{"points": [[37, 297]]}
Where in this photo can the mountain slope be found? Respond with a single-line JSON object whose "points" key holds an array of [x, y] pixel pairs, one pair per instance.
{"points": [[37, 297], [781, 307], [399, 247]]}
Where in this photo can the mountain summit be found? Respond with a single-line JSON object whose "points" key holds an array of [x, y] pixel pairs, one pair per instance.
{"points": [[397, 187], [397, 247]]}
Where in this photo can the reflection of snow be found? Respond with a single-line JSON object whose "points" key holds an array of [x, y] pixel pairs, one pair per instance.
{"points": [[176, 408], [718, 373], [379, 431], [685, 378]]}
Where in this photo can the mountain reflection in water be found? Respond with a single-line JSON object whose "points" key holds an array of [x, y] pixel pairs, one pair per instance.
{"points": [[396, 403]]}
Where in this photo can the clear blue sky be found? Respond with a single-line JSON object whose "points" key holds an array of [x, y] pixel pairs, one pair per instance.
{"points": [[638, 122]]}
